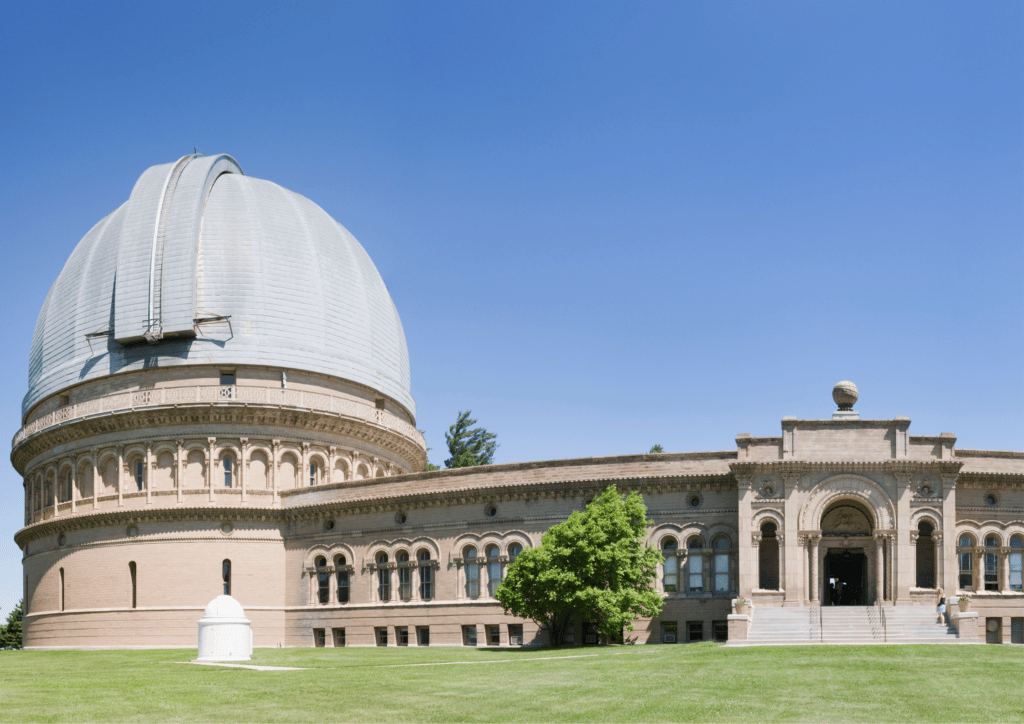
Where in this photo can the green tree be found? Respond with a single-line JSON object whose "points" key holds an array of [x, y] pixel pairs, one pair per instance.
{"points": [[594, 567], [10, 632], [430, 466], [469, 445], [657, 449]]}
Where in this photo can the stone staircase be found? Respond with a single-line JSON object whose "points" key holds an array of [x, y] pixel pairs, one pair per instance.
{"points": [[848, 625]]}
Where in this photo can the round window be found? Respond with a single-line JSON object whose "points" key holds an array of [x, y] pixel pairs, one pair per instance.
{"points": [[991, 499], [400, 518], [328, 525], [694, 501], [491, 510]]}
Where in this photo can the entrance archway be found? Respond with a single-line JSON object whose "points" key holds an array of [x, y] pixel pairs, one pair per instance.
{"points": [[846, 533]]}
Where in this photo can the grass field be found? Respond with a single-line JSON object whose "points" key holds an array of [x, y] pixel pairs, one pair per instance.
{"points": [[696, 682]]}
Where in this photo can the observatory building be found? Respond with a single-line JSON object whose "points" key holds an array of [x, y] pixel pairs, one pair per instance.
{"points": [[219, 403]]}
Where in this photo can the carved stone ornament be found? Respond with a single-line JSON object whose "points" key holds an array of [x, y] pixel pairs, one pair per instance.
{"points": [[845, 520]]}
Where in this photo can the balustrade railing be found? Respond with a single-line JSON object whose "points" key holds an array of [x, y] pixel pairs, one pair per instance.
{"points": [[217, 394]]}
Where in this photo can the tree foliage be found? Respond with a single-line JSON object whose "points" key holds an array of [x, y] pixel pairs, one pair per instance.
{"points": [[594, 567], [10, 632], [657, 449], [469, 445]]}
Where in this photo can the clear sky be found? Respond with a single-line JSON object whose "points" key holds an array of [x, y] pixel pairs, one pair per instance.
{"points": [[604, 225]]}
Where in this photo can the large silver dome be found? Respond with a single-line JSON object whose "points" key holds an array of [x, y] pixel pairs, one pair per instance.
{"points": [[204, 265]]}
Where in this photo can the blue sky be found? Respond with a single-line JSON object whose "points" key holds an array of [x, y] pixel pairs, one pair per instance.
{"points": [[605, 225]]}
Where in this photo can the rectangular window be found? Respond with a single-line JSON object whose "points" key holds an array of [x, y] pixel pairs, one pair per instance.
{"points": [[694, 630], [382, 636], [384, 584], [140, 473], [1015, 570], [966, 580], [991, 572], [721, 572], [405, 583], [423, 635], [669, 632], [472, 580], [402, 635], [426, 583], [494, 635], [227, 385], [515, 634], [696, 564], [319, 639], [720, 631], [1017, 630], [342, 586], [469, 635], [339, 637]]}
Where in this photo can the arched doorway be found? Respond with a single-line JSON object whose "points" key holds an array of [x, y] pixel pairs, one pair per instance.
{"points": [[846, 540]]}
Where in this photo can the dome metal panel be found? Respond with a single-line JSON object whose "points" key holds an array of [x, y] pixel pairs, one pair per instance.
{"points": [[297, 288]]}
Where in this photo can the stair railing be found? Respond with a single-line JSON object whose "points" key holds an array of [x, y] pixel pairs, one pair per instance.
{"points": [[821, 626], [881, 615]]}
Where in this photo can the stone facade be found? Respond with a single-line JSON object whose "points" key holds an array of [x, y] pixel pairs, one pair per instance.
{"points": [[208, 429], [773, 521]]}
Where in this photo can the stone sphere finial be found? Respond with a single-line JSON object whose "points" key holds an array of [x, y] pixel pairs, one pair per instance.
{"points": [[845, 394]]}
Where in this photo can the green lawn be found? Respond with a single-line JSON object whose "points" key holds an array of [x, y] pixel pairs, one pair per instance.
{"points": [[696, 682]]}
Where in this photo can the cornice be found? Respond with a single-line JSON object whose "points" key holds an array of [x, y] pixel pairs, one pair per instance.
{"points": [[843, 466], [245, 415], [381, 502]]}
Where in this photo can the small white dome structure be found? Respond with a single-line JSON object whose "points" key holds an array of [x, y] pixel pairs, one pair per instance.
{"points": [[225, 634]]}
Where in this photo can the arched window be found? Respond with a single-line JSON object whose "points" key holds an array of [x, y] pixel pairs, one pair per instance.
{"points": [[323, 580], [426, 575], [493, 570], [256, 473], [225, 574], [670, 576], [341, 573], [131, 572], [472, 573], [991, 563], [513, 552], [404, 576], [721, 546], [964, 554], [383, 578], [61, 589], [140, 474], [315, 473], [1016, 556], [226, 464], [925, 555], [768, 558], [695, 564], [287, 469]]}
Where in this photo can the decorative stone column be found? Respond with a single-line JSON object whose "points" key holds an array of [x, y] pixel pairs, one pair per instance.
{"points": [[1004, 569], [273, 469], [211, 448], [755, 547], [243, 466], [96, 482], [147, 480], [812, 547], [879, 568], [979, 569], [120, 475], [939, 568], [74, 469], [950, 581], [179, 468]]}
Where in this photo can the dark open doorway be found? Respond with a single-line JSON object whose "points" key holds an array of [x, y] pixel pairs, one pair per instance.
{"points": [[846, 578]]}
